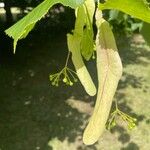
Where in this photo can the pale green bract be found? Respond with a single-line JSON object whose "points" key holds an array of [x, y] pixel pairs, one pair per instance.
{"points": [[109, 69], [24, 26], [81, 70], [74, 45], [136, 8]]}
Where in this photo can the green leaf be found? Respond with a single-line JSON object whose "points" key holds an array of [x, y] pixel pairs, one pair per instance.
{"points": [[24, 26], [83, 28], [136, 8], [146, 32], [71, 3], [80, 22], [87, 42]]}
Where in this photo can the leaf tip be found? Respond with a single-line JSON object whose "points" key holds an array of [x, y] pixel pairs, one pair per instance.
{"points": [[14, 46]]}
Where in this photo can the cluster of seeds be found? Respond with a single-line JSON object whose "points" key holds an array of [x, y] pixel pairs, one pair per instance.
{"points": [[130, 121], [66, 75]]}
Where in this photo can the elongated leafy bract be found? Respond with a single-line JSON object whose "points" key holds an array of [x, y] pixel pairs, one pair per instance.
{"points": [[82, 72], [74, 45], [109, 68]]}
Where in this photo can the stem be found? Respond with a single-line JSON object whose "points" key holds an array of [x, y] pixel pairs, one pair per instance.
{"points": [[116, 103], [67, 59], [71, 71]]}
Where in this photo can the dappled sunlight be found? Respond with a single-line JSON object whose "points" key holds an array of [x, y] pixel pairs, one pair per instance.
{"points": [[36, 115], [56, 144], [80, 106], [134, 51]]}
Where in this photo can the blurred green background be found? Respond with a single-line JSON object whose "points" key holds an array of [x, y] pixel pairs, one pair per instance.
{"points": [[37, 116]]}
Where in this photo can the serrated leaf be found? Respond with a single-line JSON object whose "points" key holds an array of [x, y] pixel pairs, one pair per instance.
{"points": [[146, 32], [25, 25], [136, 8]]}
